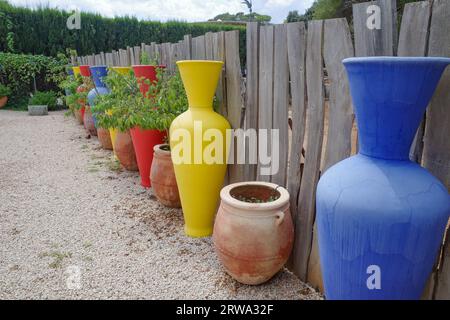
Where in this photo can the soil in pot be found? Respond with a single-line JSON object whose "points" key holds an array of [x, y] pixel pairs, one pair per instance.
{"points": [[104, 138], [253, 237], [123, 146], [163, 179]]}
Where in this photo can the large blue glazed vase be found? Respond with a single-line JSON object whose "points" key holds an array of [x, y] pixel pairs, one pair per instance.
{"points": [[381, 218], [98, 73]]}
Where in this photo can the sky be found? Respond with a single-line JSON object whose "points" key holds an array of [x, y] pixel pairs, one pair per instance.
{"points": [[163, 10]]}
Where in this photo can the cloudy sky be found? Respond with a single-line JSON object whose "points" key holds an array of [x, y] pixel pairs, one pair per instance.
{"points": [[188, 10]]}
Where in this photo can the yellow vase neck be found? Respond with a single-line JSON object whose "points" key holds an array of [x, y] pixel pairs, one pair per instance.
{"points": [[200, 78]]}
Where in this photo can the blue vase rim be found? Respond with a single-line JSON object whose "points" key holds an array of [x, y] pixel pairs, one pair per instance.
{"points": [[400, 60], [98, 67]]}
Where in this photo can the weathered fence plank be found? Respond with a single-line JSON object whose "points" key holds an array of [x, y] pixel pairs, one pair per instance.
{"points": [[266, 50], [296, 35], [337, 46], [219, 55], [375, 41], [234, 98], [280, 104], [413, 42], [315, 126], [436, 153], [209, 46], [198, 48], [188, 47], [251, 107]]}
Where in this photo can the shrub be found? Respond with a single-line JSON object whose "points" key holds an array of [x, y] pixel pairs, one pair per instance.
{"points": [[43, 98], [4, 91], [21, 73]]}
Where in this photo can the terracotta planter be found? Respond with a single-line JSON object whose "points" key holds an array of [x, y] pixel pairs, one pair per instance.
{"points": [[123, 145], [163, 179], [3, 101], [88, 120], [104, 138], [144, 141], [253, 240]]}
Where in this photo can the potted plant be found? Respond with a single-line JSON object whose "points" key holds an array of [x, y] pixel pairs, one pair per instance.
{"points": [[149, 127], [87, 86], [113, 110], [40, 102], [253, 231], [4, 93], [171, 101], [70, 85]]}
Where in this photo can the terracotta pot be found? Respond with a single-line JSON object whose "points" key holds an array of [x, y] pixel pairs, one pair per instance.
{"points": [[253, 240], [163, 179], [89, 123], [144, 142], [123, 145], [104, 138], [3, 101]]}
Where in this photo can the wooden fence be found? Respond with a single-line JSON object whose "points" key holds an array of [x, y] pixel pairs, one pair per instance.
{"points": [[294, 75]]}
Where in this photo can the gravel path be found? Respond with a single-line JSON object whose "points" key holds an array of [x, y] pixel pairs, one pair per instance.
{"points": [[74, 226]]}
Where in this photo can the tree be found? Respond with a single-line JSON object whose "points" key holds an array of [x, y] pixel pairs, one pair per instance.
{"points": [[240, 16], [249, 5], [293, 16]]}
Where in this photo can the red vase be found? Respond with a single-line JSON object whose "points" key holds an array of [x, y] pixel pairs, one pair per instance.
{"points": [[85, 71], [144, 141], [145, 72]]}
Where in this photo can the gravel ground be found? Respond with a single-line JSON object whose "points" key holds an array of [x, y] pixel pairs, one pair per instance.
{"points": [[74, 226]]}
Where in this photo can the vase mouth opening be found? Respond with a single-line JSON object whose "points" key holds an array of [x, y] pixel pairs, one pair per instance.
{"points": [[257, 196], [397, 60], [162, 148], [199, 61]]}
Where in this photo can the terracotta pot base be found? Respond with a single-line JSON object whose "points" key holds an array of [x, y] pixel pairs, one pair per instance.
{"points": [[123, 146], [163, 179], [104, 138], [89, 122], [3, 101]]}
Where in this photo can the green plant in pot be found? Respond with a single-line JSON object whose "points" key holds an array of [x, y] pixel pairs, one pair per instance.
{"points": [[4, 93], [70, 85], [40, 102], [113, 110], [170, 101]]}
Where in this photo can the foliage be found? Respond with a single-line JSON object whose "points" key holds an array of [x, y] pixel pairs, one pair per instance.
{"points": [[125, 107], [21, 73], [293, 16], [43, 31], [328, 9], [43, 98], [74, 99], [4, 91], [241, 16]]}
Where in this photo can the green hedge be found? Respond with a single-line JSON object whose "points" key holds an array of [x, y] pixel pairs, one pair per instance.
{"points": [[19, 71], [44, 31]]}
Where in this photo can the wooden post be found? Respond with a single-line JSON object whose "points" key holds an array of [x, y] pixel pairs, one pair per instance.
{"points": [[252, 101], [266, 50], [280, 104], [315, 126]]}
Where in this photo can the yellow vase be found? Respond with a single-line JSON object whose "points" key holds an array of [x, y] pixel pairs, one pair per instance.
{"points": [[199, 179], [113, 131], [76, 71]]}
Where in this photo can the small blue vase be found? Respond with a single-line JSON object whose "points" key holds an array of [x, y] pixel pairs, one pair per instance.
{"points": [[381, 218], [98, 73]]}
